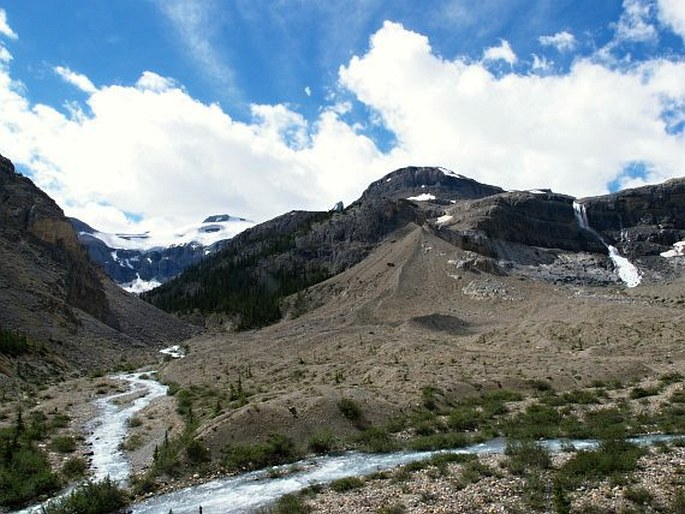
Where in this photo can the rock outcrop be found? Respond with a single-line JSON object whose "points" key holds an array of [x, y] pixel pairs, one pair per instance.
{"points": [[641, 221], [53, 293]]}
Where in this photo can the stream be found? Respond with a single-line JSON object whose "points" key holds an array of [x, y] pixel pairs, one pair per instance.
{"points": [[108, 429], [250, 491]]}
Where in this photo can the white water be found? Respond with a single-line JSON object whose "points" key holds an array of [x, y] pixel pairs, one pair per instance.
{"points": [[108, 430], [626, 270], [251, 491]]}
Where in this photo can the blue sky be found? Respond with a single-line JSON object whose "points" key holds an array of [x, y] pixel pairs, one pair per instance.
{"points": [[134, 114]]}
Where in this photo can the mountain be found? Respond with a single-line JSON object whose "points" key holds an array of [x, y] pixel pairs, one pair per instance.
{"points": [[52, 297], [140, 262], [535, 233], [413, 305]]}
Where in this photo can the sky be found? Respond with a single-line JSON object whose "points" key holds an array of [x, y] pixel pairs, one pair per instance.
{"points": [[140, 115]]}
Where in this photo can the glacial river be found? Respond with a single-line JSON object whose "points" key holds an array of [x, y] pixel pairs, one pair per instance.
{"points": [[250, 491]]}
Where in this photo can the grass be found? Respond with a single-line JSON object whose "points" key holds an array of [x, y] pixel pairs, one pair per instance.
{"points": [[526, 455]]}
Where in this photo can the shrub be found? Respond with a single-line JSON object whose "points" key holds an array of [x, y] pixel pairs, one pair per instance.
{"points": [[63, 444], [322, 442], [376, 440], [74, 468], [347, 484], [641, 392], [613, 457], [440, 441], [638, 495], [93, 498], [278, 449], [526, 454], [13, 343], [290, 504], [350, 409]]}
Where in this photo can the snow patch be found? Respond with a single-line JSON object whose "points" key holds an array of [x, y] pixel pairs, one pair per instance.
{"points": [[677, 251], [423, 197], [445, 219], [175, 352], [218, 228], [139, 285]]}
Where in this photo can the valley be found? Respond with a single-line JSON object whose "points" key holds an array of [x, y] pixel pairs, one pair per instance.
{"points": [[394, 324]]}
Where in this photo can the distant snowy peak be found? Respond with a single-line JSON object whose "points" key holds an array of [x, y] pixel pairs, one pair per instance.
{"points": [[213, 229]]}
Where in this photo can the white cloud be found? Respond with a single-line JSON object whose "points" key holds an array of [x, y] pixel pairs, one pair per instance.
{"points": [[153, 150], [672, 14], [562, 41], [635, 23], [541, 64], [156, 83], [5, 56], [573, 132], [5, 29], [503, 52], [196, 22], [76, 79]]}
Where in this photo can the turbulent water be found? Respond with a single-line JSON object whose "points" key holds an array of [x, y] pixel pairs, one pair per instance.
{"points": [[251, 491], [108, 428], [626, 270]]}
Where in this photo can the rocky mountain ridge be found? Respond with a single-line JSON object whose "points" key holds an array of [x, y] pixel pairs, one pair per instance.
{"points": [[532, 232]]}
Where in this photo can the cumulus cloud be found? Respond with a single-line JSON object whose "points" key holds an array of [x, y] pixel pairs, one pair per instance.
{"points": [[5, 29], [574, 132], [562, 41], [635, 23], [76, 79], [672, 14], [503, 52]]}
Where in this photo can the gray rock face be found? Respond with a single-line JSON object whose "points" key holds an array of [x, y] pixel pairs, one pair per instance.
{"points": [[641, 221], [445, 185], [52, 292]]}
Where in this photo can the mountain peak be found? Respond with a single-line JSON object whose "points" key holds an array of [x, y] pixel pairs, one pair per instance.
{"points": [[428, 183]]}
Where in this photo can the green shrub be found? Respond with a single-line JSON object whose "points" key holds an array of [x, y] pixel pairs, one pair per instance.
{"points": [[13, 343], [75, 467], [464, 418], [350, 409], [538, 421], [278, 449], [641, 392], [525, 455], [347, 484], [93, 498], [322, 442], [440, 441], [376, 440], [638, 495], [613, 457], [25, 472], [63, 444], [290, 504]]}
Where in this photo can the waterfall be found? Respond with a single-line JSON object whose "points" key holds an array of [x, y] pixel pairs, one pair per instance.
{"points": [[626, 270]]}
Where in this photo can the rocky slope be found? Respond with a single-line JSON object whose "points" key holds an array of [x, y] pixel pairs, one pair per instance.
{"points": [[76, 319]]}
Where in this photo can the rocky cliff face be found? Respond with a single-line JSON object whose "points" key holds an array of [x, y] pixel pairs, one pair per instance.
{"points": [[52, 292], [642, 221]]}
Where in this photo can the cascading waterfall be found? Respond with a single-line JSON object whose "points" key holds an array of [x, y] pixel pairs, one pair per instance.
{"points": [[626, 270]]}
